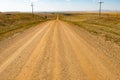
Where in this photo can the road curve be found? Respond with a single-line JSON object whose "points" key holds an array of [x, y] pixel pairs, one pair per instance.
{"points": [[53, 51]]}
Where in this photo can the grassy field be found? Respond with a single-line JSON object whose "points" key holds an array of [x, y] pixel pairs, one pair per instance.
{"points": [[107, 26], [11, 23]]}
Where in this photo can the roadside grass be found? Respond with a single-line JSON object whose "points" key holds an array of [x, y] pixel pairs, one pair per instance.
{"points": [[107, 26], [12, 23]]}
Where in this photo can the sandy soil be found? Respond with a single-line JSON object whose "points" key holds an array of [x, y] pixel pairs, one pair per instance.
{"points": [[56, 50]]}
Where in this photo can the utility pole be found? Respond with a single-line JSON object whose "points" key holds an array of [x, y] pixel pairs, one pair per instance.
{"points": [[100, 10], [32, 6]]}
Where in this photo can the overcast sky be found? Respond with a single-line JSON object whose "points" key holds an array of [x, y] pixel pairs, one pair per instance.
{"points": [[58, 5]]}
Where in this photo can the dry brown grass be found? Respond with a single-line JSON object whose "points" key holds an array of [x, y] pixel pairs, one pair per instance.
{"points": [[107, 26], [11, 23]]}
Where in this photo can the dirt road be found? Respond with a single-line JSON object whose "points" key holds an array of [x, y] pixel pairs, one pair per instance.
{"points": [[53, 51]]}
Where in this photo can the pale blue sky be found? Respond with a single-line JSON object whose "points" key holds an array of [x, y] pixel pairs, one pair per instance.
{"points": [[58, 5]]}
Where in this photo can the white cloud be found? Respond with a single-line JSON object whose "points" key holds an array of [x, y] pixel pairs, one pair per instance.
{"points": [[30, 1], [97, 0], [34, 0], [68, 0]]}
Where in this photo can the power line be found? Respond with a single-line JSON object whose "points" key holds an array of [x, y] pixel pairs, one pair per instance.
{"points": [[100, 8]]}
